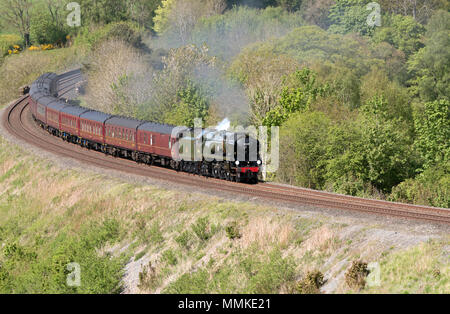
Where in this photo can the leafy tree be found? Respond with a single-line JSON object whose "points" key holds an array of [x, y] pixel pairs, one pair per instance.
{"points": [[431, 64], [47, 24], [402, 32], [103, 11], [299, 92], [191, 104], [262, 73], [142, 12], [161, 19], [386, 147], [432, 188], [350, 16], [433, 132], [17, 13], [302, 153]]}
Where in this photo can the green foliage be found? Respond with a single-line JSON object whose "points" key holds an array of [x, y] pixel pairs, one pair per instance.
{"points": [[7, 41], [191, 105], [302, 153], [201, 228], [232, 230], [192, 283], [45, 30], [161, 18], [299, 92], [385, 147], [256, 272], [350, 16], [431, 64], [92, 36], [431, 187], [183, 239], [23, 272], [269, 275], [103, 11], [402, 32], [169, 257], [432, 126]]}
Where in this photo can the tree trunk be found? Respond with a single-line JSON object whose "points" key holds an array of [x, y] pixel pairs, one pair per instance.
{"points": [[26, 38]]}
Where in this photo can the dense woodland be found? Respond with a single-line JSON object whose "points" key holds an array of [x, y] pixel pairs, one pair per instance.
{"points": [[363, 110]]}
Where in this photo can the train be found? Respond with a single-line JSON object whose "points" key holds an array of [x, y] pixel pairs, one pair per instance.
{"points": [[232, 156]]}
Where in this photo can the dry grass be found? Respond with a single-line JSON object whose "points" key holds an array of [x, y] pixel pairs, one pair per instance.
{"points": [[50, 201], [267, 233]]}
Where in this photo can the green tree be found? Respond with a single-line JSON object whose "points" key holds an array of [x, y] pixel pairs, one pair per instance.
{"points": [[300, 90], [17, 13], [302, 153], [433, 132], [103, 11], [192, 104], [402, 32], [350, 16], [161, 19], [431, 65]]}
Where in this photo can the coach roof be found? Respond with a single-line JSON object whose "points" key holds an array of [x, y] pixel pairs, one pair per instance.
{"points": [[124, 122], [156, 127], [74, 110], [58, 105], [95, 116]]}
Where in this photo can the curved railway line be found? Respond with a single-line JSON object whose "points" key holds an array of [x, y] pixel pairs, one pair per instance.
{"points": [[17, 121]]}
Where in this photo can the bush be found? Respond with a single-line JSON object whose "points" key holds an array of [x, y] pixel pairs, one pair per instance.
{"points": [[149, 279], [311, 283], [7, 41], [93, 36], [201, 228], [232, 230], [183, 239], [45, 31], [169, 257], [355, 277], [432, 188], [270, 274]]}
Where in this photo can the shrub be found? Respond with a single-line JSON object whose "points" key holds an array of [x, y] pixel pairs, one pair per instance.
{"points": [[149, 279], [169, 257], [156, 235], [270, 274], [232, 230], [355, 277], [7, 42], [183, 239], [200, 228], [196, 283], [311, 283]]}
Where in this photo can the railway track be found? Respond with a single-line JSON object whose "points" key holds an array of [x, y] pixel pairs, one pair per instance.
{"points": [[17, 120]]}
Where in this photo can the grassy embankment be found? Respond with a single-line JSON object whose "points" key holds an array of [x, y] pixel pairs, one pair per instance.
{"points": [[187, 242]]}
